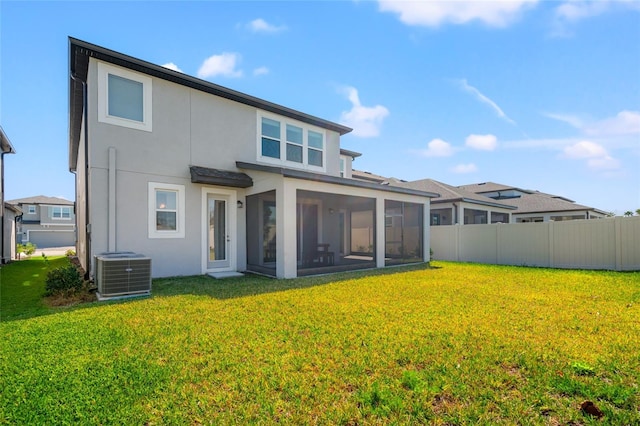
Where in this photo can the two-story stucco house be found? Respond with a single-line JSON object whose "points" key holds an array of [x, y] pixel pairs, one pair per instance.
{"points": [[46, 221], [207, 180], [8, 212]]}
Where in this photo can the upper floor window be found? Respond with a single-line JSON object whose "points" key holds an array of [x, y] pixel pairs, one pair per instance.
{"points": [[31, 209], [124, 97], [291, 143], [58, 212]]}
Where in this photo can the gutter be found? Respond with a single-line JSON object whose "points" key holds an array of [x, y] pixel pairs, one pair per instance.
{"points": [[85, 105]]}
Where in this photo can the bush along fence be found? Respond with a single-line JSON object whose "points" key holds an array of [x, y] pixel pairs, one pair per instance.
{"points": [[612, 244]]}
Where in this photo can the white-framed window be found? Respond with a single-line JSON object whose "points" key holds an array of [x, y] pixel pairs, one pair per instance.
{"points": [[166, 210], [61, 212], [124, 97], [289, 142], [31, 209]]}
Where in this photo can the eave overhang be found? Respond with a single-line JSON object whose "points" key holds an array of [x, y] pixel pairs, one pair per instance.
{"points": [[220, 177]]}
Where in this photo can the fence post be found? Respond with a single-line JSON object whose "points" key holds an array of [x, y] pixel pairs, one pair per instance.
{"points": [[617, 241], [457, 231], [552, 262]]}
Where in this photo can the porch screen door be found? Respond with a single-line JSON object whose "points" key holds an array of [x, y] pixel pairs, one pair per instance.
{"points": [[218, 232]]}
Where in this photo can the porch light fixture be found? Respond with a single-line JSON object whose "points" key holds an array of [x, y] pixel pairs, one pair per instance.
{"points": [[240, 204], [331, 210]]}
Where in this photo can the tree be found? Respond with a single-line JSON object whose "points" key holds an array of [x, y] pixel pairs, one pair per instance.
{"points": [[637, 212], [628, 213]]}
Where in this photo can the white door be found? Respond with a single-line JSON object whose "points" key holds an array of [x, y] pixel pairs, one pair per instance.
{"points": [[218, 232]]}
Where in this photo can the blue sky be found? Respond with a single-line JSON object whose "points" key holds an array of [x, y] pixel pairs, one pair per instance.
{"points": [[537, 94]]}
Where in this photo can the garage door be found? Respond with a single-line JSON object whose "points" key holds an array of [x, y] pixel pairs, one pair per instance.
{"points": [[46, 239]]}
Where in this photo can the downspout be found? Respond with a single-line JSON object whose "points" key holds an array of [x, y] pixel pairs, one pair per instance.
{"points": [[85, 105]]}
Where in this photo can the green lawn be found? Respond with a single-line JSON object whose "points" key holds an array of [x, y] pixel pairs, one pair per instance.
{"points": [[457, 344], [22, 287]]}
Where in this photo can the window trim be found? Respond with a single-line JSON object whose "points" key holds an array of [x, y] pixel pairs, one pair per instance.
{"points": [[31, 207], [282, 161], [180, 210], [104, 70]]}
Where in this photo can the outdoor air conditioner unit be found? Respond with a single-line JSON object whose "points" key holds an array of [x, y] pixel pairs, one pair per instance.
{"points": [[123, 274]]}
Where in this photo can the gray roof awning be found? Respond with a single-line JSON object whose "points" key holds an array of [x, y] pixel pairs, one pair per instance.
{"points": [[220, 177]]}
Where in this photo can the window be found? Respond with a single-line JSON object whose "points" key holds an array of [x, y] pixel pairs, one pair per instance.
{"points": [[166, 210], [124, 97], [343, 166], [31, 210], [291, 143], [294, 143], [270, 138], [315, 148], [58, 212]]}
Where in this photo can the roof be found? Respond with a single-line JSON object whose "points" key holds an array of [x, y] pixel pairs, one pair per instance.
{"points": [[479, 188], [220, 177], [317, 177], [351, 154], [13, 208], [531, 201], [450, 194], [80, 52], [368, 176], [5, 143], [41, 199], [540, 203]]}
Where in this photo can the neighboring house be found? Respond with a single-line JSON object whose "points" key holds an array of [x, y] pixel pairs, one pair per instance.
{"points": [[459, 206], [534, 206], [7, 213], [46, 221], [204, 179]]}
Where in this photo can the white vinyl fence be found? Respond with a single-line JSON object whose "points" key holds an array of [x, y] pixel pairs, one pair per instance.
{"points": [[612, 243]]}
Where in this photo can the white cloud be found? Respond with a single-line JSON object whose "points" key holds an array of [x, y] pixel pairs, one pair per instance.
{"points": [[261, 71], [465, 168], [365, 121], [585, 149], [571, 120], [261, 26], [438, 148], [597, 157], [435, 13], [172, 66], [482, 142], [624, 123], [224, 65], [572, 11], [484, 99]]}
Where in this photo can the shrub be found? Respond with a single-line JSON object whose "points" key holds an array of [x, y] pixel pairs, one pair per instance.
{"points": [[63, 280], [70, 252], [28, 249]]}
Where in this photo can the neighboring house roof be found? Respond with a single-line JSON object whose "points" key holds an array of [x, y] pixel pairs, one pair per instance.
{"points": [[367, 176], [478, 188], [5, 143], [541, 203], [41, 199], [80, 52], [317, 177], [531, 201], [449, 194]]}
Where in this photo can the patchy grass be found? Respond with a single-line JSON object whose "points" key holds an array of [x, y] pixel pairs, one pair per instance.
{"points": [[458, 344]]}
